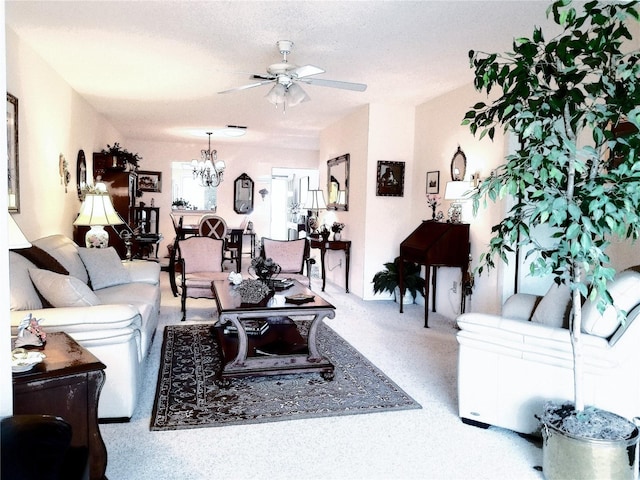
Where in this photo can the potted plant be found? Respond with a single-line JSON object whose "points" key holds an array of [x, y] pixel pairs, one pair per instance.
{"points": [[388, 280], [180, 204], [121, 156], [336, 228], [565, 99]]}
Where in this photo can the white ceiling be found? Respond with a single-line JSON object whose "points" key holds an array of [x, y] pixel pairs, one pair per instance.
{"points": [[154, 68]]}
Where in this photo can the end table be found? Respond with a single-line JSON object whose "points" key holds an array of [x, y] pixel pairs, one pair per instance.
{"points": [[67, 384]]}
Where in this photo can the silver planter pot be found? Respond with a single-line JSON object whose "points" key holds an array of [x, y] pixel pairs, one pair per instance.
{"points": [[566, 456]]}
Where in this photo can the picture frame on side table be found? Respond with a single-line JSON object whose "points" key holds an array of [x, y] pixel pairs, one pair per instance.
{"points": [[13, 171], [150, 181], [390, 179], [433, 182]]}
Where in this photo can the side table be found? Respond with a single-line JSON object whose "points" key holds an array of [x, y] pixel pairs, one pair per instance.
{"points": [[66, 384], [324, 245]]}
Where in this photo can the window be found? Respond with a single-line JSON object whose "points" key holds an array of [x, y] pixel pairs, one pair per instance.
{"points": [[183, 185]]}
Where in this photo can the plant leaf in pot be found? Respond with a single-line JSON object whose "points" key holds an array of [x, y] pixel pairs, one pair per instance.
{"points": [[566, 100], [387, 280]]}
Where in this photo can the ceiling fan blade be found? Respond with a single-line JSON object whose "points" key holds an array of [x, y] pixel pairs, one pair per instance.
{"points": [[306, 71], [259, 76], [358, 87], [245, 87]]}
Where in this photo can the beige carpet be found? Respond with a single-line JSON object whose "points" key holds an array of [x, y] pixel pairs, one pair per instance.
{"points": [[427, 443]]}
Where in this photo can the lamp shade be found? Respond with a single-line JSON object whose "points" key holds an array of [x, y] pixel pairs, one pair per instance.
{"points": [[315, 200], [15, 236], [458, 190], [97, 209]]}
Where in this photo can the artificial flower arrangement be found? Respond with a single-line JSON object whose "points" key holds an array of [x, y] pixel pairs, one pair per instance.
{"points": [[337, 227], [264, 268], [433, 201]]}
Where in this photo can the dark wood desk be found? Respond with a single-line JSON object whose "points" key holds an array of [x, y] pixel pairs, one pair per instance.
{"points": [[66, 384], [295, 352], [435, 244], [344, 245]]}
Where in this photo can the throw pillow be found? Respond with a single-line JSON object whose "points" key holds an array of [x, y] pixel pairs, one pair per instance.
{"points": [[104, 267], [62, 290], [554, 308], [42, 259], [624, 290]]}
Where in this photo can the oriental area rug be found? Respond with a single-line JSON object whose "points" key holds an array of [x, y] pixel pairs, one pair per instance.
{"points": [[187, 395]]}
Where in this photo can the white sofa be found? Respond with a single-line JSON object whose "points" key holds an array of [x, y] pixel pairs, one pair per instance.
{"points": [[509, 365], [108, 306]]}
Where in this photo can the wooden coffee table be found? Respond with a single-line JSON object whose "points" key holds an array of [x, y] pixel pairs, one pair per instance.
{"points": [[284, 347]]}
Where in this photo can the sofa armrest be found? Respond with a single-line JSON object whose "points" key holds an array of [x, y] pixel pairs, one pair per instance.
{"points": [[143, 271], [81, 319], [520, 306]]}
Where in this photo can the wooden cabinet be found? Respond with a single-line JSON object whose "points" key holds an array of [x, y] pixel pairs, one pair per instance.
{"points": [[66, 384], [435, 244]]}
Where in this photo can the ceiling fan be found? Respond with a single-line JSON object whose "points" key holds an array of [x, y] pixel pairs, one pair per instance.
{"points": [[285, 76]]}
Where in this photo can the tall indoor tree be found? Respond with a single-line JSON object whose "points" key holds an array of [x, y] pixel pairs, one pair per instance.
{"points": [[573, 102]]}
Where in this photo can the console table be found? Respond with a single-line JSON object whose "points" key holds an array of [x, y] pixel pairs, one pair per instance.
{"points": [[324, 245], [66, 384]]}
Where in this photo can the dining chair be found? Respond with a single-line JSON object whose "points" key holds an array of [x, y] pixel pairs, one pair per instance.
{"points": [[293, 257], [215, 227], [200, 260]]}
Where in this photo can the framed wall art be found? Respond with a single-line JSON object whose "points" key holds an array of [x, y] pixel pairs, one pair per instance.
{"points": [[150, 181], [13, 172], [433, 182], [390, 179]]}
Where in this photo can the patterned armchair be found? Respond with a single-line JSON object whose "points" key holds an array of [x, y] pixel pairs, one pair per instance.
{"points": [[292, 256]]}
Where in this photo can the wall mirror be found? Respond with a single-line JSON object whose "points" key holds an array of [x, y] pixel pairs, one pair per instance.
{"points": [[458, 165], [243, 194], [338, 183]]}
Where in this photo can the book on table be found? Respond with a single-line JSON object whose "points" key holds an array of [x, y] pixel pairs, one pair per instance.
{"points": [[253, 326]]}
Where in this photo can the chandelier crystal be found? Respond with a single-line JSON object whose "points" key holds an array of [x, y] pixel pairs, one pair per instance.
{"points": [[209, 170]]}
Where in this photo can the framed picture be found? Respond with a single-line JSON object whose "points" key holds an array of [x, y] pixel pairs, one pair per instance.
{"points": [[433, 182], [150, 181], [390, 179], [13, 172]]}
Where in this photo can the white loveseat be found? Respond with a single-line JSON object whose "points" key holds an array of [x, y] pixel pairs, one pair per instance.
{"points": [[108, 306], [509, 365]]}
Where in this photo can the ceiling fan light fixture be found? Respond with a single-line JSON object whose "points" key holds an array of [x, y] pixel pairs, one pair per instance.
{"points": [[296, 95], [276, 94]]}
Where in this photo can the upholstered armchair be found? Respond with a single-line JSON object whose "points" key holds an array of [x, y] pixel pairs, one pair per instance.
{"points": [[200, 261], [509, 365], [292, 256]]}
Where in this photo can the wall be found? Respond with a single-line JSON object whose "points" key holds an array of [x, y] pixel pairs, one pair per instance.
{"points": [[53, 120], [254, 161], [438, 134]]}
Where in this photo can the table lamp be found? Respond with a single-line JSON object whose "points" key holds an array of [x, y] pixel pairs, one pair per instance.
{"points": [[458, 192], [16, 238], [97, 211], [315, 203]]}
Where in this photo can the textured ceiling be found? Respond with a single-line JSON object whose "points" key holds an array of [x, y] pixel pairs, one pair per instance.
{"points": [[154, 68]]}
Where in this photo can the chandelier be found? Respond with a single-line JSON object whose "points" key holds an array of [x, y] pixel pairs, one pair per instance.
{"points": [[209, 169]]}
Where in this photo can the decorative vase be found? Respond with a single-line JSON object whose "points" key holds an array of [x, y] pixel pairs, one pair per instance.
{"points": [[337, 236], [325, 236]]}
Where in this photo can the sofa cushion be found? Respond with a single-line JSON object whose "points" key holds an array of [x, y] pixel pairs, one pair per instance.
{"points": [[625, 291], [63, 290], [24, 295], [42, 259], [554, 308], [66, 252], [104, 267]]}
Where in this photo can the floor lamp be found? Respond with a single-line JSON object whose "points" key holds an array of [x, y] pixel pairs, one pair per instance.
{"points": [[96, 212]]}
